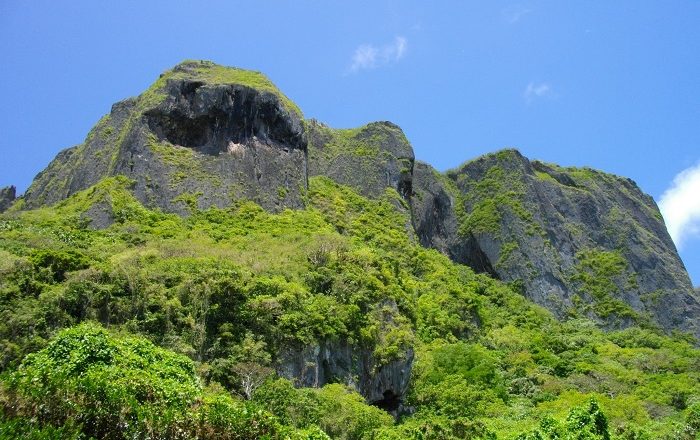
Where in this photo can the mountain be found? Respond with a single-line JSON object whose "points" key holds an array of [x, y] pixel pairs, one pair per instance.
{"points": [[202, 135], [230, 246], [578, 241]]}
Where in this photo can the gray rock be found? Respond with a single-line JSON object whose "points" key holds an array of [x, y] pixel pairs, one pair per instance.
{"points": [[8, 195], [435, 219], [369, 159], [202, 134], [577, 241], [340, 362]]}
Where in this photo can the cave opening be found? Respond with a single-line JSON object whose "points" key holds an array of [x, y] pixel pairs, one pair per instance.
{"points": [[209, 133], [389, 403]]}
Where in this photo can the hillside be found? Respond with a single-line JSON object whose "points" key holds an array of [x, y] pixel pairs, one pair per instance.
{"points": [[208, 264]]}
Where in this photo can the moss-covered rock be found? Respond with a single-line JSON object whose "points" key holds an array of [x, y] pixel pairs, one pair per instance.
{"points": [[223, 133], [578, 241], [369, 158]]}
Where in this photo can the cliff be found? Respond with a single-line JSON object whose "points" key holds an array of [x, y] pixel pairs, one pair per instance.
{"points": [[8, 195], [202, 135], [578, 241], [368, 159]]}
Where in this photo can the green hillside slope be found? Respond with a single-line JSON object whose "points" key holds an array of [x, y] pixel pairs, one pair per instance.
{"points": [[196, 327]]}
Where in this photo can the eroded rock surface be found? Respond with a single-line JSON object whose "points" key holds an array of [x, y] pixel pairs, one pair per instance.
{"points": [[8, 195], [369, 159], [340, 362], [202, 135], [435, 219], [577, 241]]}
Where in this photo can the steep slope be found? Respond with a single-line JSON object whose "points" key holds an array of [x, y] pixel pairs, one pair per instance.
{"points": [[577, 241], [436, 222], [202, 135], [336, 297]]}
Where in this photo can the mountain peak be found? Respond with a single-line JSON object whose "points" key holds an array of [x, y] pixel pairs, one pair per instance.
{"points": [[210, 73]]}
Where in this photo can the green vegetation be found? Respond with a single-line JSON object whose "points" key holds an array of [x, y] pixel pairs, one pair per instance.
{"points": [[545, 176], [167, 327], [89, 382], [483, 203], [598, 275]]}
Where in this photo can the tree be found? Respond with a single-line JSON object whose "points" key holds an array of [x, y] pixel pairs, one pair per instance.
{"points": [[250, 364]]}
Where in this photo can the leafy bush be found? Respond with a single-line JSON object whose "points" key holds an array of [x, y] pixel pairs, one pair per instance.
{"points": [[92, 383]]}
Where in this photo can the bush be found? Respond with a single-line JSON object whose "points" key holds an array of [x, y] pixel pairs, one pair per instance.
{"points": [[59, 262], [90, 382]]}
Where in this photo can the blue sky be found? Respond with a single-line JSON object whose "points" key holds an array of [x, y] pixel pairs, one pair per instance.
{"points": [[612, 85]]}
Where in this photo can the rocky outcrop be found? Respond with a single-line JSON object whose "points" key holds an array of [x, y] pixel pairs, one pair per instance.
{"points": [[8, 195], [203, 135], [435, 220], [369, 159], [577, 241], [329, 362]]}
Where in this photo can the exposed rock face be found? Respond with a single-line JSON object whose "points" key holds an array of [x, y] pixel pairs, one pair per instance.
{"points": [[579, 242], [202, 135], [314, 366], [368, 159], [435, 219], [215, 119], [8, 195]]}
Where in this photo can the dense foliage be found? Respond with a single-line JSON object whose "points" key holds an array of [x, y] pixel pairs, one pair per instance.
{"points": [[168, 327]]}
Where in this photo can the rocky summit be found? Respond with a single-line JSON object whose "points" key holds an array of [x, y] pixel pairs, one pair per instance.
{"points": [[577, 241], [202, 135], [276, 257]]}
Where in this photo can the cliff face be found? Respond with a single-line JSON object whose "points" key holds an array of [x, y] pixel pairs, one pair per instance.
{"points": [[577, 241], [368, 159], [436, 222], [330, 362], [7, 197], [202, 135]]}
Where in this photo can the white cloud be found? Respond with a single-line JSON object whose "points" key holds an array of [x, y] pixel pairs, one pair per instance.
{"points": [[680, 205], [369, 56], [535, 90]]}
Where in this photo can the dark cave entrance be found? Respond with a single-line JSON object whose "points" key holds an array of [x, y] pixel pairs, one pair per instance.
{"points": [[390, 403]]}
